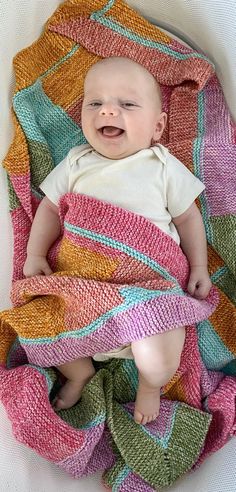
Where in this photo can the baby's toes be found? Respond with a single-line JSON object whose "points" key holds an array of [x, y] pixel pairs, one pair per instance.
{"points": [[138, 417]]}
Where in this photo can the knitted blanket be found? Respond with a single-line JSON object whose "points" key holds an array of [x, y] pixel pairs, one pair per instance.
{"points": [[111, 285]]}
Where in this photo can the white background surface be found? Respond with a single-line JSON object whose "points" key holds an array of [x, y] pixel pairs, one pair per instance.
{"points": [[208, 24]]}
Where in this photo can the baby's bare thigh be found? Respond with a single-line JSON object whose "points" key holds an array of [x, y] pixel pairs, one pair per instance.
{"points": [[164, 348]]}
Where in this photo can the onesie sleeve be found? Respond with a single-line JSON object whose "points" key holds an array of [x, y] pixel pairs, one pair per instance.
{"points": [[182, 187], [56, 183]]}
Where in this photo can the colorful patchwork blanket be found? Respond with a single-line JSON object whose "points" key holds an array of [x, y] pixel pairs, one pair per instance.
{"points": [[117, 277]]}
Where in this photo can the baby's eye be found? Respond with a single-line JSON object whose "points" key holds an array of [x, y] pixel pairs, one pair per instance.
{"points": [[95, 104], [128, 104]]}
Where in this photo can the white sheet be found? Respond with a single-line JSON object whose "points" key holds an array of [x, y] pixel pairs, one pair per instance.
{"points": [[208, 24]]}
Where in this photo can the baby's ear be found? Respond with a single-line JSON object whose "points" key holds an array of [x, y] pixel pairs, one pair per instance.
{"points": [[160, 126]]}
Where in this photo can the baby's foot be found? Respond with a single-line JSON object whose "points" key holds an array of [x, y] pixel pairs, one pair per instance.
{"points": [[70, 393], [147, 404]]}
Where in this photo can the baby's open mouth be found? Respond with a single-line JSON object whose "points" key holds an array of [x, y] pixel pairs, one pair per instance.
{"points": [[111, 131]]}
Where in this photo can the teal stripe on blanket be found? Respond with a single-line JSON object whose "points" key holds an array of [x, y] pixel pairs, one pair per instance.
{"points": [[163, 48], [60, 133], [112, 243], [120, 478], [89, 329], [230, 369], [100, 419], [63, 59], [219, 273], [214, 353], [157, 437]]}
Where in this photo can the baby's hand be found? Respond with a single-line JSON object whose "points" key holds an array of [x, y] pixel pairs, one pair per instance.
{"points": [[199, 283], [36, 265]]}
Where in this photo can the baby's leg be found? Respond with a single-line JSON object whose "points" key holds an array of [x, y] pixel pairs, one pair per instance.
{"points": [[157, 359], [78, 372]]}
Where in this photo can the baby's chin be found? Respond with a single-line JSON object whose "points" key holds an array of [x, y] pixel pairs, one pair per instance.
{"points": [[117, 147], [117, 153]]}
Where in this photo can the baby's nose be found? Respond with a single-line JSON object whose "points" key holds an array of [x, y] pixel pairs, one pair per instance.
{"points": [[109, 110]]}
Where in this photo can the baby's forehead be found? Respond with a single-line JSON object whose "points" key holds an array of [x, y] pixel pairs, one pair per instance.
{"points": [[124, 66], [123, 72]]}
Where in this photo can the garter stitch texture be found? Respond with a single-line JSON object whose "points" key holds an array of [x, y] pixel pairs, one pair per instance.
{"points": [[111, 285]]}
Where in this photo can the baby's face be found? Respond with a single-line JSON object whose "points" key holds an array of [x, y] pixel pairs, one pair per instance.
{"points": [[121, 111]]}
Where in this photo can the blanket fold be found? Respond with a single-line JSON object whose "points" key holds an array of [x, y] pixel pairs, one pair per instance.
{"points": [[117, 277]]}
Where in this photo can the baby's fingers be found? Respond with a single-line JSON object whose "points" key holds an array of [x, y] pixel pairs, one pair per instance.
{"points": [[46, 270], [202, 290], [191, 287]]}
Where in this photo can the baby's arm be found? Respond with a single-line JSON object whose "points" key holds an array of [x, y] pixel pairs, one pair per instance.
{"points": [[44, 231], [193, 242]]}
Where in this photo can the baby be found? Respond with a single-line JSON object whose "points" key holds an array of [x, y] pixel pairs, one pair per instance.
{"points": [[123, 164]]}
